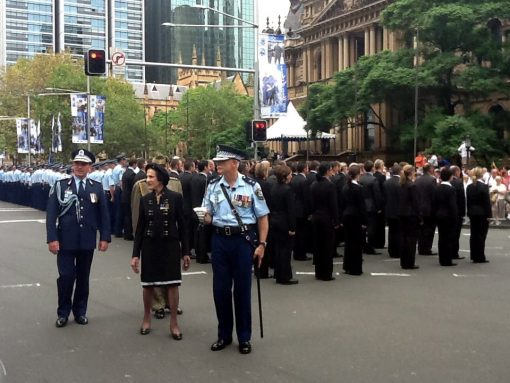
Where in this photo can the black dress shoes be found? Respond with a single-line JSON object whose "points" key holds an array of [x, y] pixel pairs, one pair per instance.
{"points": [[428, 253], [244, 347], [159, 314], [411, 267], [220, 344], [458, 257], [61, 322], [289, 282], [82, 319]]}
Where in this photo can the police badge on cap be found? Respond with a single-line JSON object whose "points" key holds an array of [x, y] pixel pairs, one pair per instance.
{"points": [[83, 155], [224, 153]]}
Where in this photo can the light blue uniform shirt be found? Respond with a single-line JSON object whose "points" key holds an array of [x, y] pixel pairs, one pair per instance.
{"points": [[246, 196], [117, 173], [107, 180]]}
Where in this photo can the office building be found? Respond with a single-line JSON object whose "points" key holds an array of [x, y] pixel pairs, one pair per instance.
{"points": [[41, 26], [177, 43]]}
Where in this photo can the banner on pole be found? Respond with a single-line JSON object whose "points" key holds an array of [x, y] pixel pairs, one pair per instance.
{"points": [[273, 91], [79, 121], [23, 135]]}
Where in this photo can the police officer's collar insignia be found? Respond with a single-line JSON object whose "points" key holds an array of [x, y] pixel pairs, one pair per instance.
{"points": [[259, 194], [70, 181]]}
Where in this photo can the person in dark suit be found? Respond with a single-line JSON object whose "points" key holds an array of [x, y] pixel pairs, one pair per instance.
{"points": [[380, 221], [301, 188], [324, 221], [127, 182], [266, 184], [409, 215], [391, 189], [185, 178], [458, 184], [140, 164], [312, 171], [374, 205], [161, 241], [479, 212], [425, 187], [339, 180], [282, 225], [446, 217], [354, 219], [203, 233], [76, 210]]}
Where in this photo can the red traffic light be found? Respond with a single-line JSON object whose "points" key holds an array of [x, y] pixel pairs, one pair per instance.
{"points": [[259, 130], [95, 62]]}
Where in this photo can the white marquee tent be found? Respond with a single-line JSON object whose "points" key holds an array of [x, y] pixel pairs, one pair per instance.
{"points": [[292, 128]]}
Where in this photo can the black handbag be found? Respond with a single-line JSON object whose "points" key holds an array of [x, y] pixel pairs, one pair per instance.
{"points": [[249, 235]]}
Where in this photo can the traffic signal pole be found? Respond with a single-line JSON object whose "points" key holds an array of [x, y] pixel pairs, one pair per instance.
{"points": [[88, 113]]}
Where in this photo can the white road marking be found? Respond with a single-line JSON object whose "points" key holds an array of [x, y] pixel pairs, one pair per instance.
{"points": [[24, 220], [20, 285], [305, 272], [464, 251], [338, 263], [392, 260], [494, 247], [390, 275], [195, 273], [3, 368], [466, 235], [469, 275]]}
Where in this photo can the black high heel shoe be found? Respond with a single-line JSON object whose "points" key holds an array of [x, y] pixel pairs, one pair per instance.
{"points": [[176, 336], [145, 331]]}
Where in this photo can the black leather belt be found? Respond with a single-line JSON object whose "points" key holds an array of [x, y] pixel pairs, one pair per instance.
{"points": [[232, 230]]}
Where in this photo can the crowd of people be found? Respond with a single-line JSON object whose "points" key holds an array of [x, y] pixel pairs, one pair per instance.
{"points": [[291, 209]]}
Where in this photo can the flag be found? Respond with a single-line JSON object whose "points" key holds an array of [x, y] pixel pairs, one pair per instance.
{"points": [[59, 134], [53, 148]]}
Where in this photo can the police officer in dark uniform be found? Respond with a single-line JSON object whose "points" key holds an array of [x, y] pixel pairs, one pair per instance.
{"points": [[76, 210], [232, 253]]}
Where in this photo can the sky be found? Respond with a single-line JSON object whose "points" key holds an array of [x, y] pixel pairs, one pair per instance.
{"points": [[271, 9]]}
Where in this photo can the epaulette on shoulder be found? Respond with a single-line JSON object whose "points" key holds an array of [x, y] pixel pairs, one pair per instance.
{"points": [[92, 182], [249, 181], [214, 180]]}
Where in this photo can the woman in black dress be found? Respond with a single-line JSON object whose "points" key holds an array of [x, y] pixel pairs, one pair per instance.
{"points": [[282, 225], [409, 218], [324, 222], [479, 212], [161, 240], [354, 220]]}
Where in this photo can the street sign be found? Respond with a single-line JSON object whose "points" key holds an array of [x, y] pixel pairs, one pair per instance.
{"points": [[119, 63]]}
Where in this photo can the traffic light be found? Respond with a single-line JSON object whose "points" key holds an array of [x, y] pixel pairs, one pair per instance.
{"points": [[259, 130], [95, 62]]}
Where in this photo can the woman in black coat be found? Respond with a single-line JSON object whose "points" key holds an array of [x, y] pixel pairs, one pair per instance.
{"points": [[282, 225], [479, 212], [162, 241], [354, 220], [324, 221], [409, 218]]}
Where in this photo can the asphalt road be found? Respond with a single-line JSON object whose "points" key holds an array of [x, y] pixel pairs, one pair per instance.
{"points": [[429, 325]]}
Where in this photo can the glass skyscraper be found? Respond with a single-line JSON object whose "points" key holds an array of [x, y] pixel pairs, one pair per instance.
{"points": [[39, 26], [236, 46]]}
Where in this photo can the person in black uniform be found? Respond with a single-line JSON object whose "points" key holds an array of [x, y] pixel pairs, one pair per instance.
{"points": [[282, 225], [391, 190], [458, 184], [339, 180], [446, 217], [324, 222], [301, 188], [127, 182], [426, 187], [203, 233], [162, 241], [185, 177], [409, 215], [374, 204], [76, 210], [380, 221], [479, 212], [354, 220]]}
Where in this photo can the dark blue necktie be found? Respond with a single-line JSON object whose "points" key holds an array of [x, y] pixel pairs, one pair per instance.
{"points": [[81, 188]]}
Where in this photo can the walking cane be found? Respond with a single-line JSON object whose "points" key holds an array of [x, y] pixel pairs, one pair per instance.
{"points": [[257, 275]]}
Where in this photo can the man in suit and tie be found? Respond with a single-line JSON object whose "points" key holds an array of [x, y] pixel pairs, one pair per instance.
{"points": [[374, 204], [301, 188], [391, 190], [458, 184], [426, 186], [312, 171], [446, 217], [202, 232], [127, 182], [185, 177], [380, 226], [76, 210]]}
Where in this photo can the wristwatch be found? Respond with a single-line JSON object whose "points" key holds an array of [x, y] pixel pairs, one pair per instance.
{"points": [[263, 243]]}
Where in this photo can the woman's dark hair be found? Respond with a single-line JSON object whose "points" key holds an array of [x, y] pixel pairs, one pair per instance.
{"points": [[161, 173], [281, 172], [353, 172], [323, 168]]}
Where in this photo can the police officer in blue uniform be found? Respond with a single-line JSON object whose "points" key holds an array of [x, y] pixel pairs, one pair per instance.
{"points": [[76, 210], [232, 255]]}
